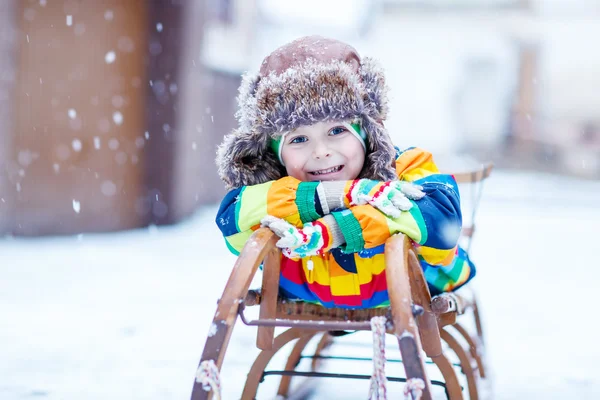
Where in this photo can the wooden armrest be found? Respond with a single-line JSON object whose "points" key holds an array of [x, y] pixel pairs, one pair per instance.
{"points": [[252, 255], [269, 293], [254, 252], [467, 231], [474, 176]]}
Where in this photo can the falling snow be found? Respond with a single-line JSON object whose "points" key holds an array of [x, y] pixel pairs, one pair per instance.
{"points": [[76, 144], [117, 117], [110, 57]]}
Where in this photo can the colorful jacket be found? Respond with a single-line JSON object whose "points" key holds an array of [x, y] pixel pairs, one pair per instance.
{"points": [[353, 276]]}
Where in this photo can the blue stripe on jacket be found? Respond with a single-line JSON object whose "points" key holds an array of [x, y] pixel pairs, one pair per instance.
{"points": [[225, 219], [441, 211]]}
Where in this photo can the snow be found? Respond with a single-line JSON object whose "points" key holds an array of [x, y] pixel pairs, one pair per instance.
{"points": [[118, 118], [76, 144], [125, 315], [108, 15], [76, 206], [110, 57]]}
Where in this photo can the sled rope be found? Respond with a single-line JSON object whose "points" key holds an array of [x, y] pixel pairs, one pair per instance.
{"points": [[378, 390], [414, 387], [208, 376]]}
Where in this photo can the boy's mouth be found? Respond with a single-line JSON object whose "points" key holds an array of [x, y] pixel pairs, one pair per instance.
{"points": [[326, 171]]}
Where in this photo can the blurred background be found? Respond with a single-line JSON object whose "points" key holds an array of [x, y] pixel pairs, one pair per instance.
{"points": [[110, 114], [112, 110]]}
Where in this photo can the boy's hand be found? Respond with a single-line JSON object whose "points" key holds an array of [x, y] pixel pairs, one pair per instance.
{"points": [[391, 197], [296, 242]]}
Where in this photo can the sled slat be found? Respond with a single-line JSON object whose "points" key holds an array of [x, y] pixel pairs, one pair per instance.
{"points": [[269, 293]]}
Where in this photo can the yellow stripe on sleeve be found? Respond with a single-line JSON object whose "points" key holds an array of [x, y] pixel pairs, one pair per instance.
{"points": [[436, 256]]}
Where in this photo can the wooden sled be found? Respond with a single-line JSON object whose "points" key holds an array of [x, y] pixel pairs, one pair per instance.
{"points": [[425, 328]]}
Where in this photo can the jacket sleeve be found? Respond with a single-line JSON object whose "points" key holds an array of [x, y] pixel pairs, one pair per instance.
{"points": [[243, 208], [434, 222]]}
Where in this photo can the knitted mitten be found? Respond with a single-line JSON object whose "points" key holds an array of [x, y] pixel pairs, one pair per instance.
{"points": [[391, 197], [313, 239]]}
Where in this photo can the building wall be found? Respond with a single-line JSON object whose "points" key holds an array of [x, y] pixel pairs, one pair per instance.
{"points": [[109, 120], [8, 35], [76, 157]]}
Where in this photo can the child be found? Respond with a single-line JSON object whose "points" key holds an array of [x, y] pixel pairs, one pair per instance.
{"points": [[312, 160]]}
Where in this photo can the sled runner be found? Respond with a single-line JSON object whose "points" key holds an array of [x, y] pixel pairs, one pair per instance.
{"points": [[428, 330]]}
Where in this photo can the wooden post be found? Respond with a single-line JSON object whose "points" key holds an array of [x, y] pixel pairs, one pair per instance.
{"points": [[525, 103], [8, 70]]}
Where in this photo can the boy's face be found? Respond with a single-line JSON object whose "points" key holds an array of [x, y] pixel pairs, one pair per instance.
{"points": [[325, 151]]}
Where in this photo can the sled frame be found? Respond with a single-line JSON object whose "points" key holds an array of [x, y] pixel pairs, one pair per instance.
{"points": [[420, 324]]}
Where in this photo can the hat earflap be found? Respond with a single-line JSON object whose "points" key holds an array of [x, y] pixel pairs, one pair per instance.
{"points": [[373, 79], [243, 159]]}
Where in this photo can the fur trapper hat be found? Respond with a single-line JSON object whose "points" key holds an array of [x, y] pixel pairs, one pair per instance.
{"points": [[309, 80]]}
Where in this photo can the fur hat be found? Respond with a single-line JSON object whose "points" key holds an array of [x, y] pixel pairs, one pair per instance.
{"points": [[309, 80]]}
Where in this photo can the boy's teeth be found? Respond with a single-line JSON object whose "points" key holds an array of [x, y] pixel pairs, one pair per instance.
{"points": [[327, 171]]}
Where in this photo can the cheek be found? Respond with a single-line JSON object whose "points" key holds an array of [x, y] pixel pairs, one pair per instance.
{"points": [[295, 171], [294, 164], [355, 154], [358, 161]]}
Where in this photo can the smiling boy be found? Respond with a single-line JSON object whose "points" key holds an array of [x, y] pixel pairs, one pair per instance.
{"points": [[325, 151], [313, 161]]}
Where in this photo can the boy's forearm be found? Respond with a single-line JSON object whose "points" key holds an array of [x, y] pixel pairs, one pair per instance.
{"points": [[440, 213], [433, 221], [243, 208]]}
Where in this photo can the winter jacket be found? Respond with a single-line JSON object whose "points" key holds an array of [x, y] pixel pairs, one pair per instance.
{"points": [[353, 276]]}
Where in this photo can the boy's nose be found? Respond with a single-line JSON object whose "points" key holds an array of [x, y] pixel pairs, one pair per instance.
{"points": [[321, 152]]}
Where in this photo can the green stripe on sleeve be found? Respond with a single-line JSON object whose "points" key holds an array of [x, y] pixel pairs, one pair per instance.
{"points": [[305, 201], [235, 243], [408, 223], [238, 206], [231, 248], [418, 217], [351, 230]]}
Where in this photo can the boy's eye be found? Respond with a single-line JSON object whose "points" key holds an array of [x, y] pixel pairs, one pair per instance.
{"points": [[299, 139], [337, 130]]}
